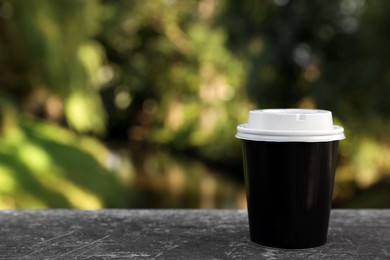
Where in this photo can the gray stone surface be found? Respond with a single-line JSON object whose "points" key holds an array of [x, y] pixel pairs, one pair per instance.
{"points": [[177, 234]]}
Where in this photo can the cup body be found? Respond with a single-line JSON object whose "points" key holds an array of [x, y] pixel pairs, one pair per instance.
{"points": [[289, 189]]}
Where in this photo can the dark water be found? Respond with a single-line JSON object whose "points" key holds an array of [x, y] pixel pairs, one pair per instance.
{"points": [[160, 178]]}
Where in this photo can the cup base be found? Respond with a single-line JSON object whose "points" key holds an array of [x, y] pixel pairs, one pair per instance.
{"points": [[282, 245]]}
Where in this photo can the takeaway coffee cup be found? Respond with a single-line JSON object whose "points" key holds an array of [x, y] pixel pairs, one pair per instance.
{"points": [[289, 158]]}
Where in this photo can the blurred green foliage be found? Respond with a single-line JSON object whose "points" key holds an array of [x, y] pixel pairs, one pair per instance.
{"points": [[49, 64], [172, 79], [327, 54], [181, 74], [43, 165], [46, 55]]}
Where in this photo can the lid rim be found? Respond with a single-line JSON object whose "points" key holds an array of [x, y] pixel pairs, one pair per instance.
{"points": [[274, 138], [244, 129]]}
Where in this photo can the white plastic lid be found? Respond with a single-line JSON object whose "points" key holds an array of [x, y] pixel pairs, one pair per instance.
{"points": [[290, 125]]}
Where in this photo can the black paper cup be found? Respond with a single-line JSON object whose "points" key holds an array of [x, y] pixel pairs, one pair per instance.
{"points": [[289, 158]]}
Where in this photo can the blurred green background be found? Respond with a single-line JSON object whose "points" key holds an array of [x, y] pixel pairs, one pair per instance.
{"points": [[134, 104]]}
